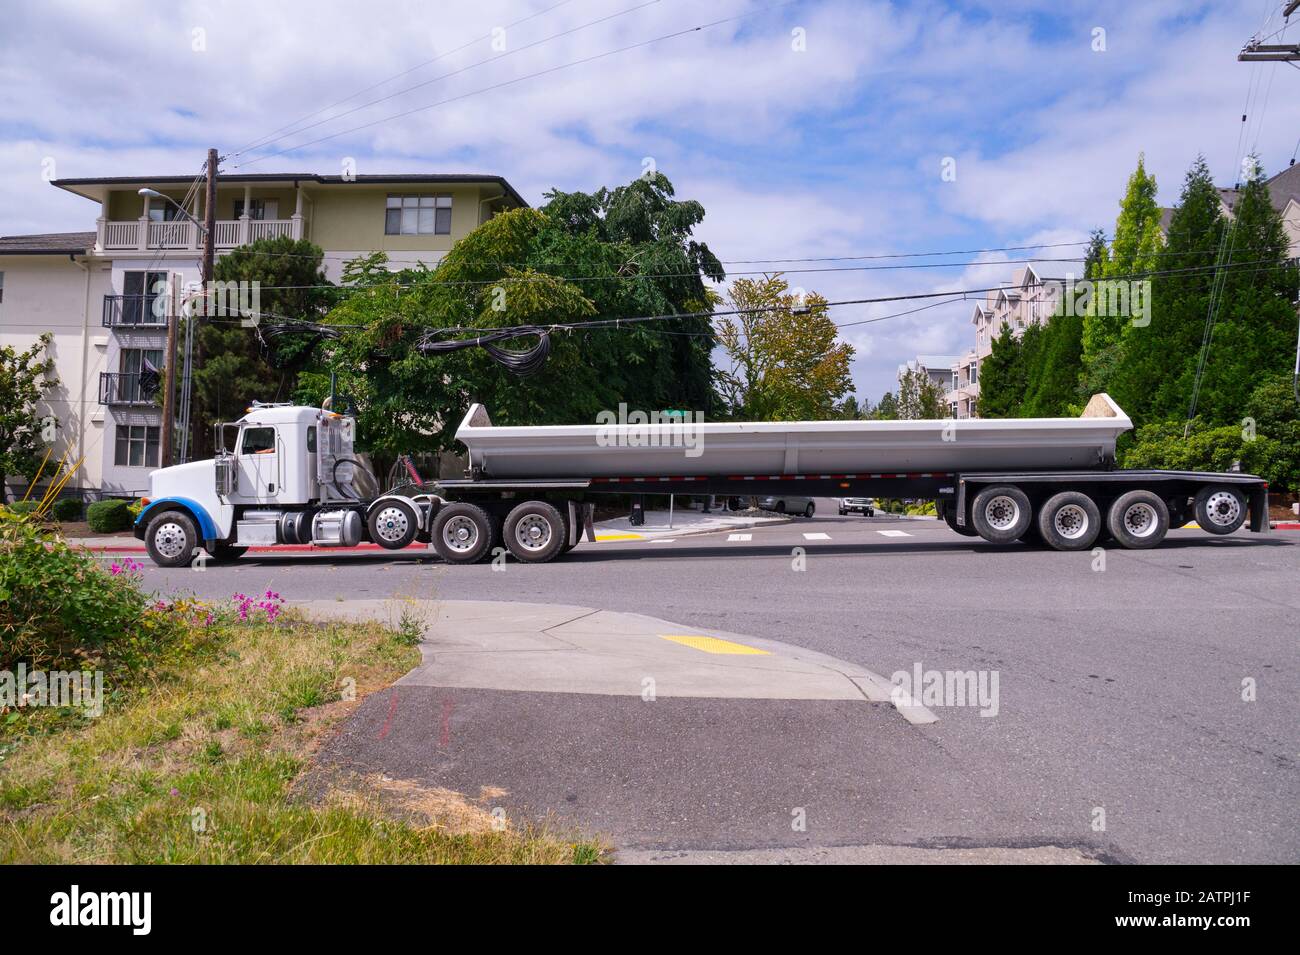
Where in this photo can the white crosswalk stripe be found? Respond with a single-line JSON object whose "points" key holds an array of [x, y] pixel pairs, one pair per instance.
{"points": [[894, 533], [816, 537], [740, 537], [663, 540]]}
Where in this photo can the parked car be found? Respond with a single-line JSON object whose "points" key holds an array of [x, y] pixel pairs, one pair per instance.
{"points": [[865, 506], [788, 505]]}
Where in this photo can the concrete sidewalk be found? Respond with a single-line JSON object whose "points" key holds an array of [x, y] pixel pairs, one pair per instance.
{"points": [[548, 648]]}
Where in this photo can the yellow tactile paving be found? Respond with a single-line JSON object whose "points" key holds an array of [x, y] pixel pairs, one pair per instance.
{"points": [[712, 644]]}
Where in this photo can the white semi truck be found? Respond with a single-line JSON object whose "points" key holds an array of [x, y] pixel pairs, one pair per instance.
{"points": [[287, 474]]}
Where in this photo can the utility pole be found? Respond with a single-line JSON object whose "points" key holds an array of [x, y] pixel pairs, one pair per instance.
{"points": [[209, 240], [205, 277], [1256, 52]]}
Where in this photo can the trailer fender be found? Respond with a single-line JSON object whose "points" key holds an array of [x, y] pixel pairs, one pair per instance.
{"points": [[207, 526]]}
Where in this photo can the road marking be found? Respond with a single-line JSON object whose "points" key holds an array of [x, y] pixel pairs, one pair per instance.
{"points": [[817, 537], [894, 533], [713, 644], [620, 537], [664, 540], [740, 537]]}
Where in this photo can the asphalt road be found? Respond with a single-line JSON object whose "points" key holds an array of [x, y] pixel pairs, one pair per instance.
{"points": [[1120, 720]]}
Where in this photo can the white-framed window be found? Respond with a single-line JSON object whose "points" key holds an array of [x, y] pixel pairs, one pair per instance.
{"points": [[137, 446], [258, 209], [973, 372], [417, 215]]}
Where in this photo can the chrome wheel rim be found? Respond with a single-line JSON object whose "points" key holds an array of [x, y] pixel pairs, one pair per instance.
{"points": [[1140, 520], [533, 532], [392, 523], [1223, 508], [169, 540], [460, 534], [1002, 512], [1071, 521]]}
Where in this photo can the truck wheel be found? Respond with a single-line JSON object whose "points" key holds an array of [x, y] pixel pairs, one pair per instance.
{"points": [[1070, 520], [1001, 513], [1220, 509], [171, 539], [462, 533], [225, 553], [949, 511], [393, 524], [535, 532], [1138, 520]]}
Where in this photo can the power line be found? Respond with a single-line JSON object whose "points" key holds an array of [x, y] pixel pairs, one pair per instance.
{"points": [[519, 79]]}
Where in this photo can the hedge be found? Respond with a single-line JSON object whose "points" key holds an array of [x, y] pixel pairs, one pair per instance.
{"points": [[110, 516], [67, 509]]}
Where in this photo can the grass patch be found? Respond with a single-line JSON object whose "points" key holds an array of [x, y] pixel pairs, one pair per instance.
{"points": [[197, 763]]}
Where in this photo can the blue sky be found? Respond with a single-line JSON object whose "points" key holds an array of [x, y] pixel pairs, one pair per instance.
{"points": [[835, 149]]}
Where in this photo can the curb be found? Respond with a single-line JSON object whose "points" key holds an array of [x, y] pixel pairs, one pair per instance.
{"points": [[621, 535]]}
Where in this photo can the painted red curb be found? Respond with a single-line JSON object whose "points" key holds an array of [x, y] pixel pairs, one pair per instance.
{"points": [[1287, 526]]}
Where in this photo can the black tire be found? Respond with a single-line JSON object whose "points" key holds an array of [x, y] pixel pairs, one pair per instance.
{"points": [[780, 507], [535, 532], [1001, 513], [1220, 509], [809, 511], [843, 512], [462, 533], [1070, 520], [1138, 520], [393, 524], [225, 553], [171, 539], [949, 511]]}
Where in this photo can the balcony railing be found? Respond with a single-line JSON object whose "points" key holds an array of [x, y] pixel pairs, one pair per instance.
{"points": [[184, 235], [121, 389], [134, 311]]}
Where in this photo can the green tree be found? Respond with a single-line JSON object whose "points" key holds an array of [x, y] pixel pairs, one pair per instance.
{"points": [[1153, 380], [1002, 378], [1135, 250], [25, 376], [786, 361], [919, 397], [232, 366], [886, 409], [1052, 386]]}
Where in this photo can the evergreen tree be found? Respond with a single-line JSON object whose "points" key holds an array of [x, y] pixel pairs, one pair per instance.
{"points": [[1002, 378], [1134, 250], [1154, 377]]}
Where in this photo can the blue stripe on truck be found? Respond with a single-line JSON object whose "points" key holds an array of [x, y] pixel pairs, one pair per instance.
{"points": [[207, 527]]}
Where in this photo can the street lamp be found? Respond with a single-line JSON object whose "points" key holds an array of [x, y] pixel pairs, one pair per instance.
{"points": [[155, 194]]}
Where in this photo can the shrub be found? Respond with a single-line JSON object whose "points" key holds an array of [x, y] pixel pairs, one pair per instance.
{"points": [[25, 508], [110, 516], [59, 610], [67, 509]]}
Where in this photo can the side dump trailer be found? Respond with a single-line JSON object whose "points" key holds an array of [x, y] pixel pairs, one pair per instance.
{"points": [[287, 475]]}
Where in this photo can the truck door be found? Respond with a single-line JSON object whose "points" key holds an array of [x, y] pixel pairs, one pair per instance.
{"points": [[259, 464]]}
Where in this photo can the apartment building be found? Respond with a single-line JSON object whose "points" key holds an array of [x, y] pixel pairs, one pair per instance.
{"points": [[1028, 299], [99, 292]]}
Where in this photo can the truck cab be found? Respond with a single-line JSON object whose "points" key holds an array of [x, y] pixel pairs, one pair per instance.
{"points": [[283, 475]]}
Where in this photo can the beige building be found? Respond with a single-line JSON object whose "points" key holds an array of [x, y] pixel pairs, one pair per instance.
{"points": [[98, 292], [1028, 299]]}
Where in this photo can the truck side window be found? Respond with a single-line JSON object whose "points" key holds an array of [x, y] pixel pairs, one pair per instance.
{"points": [[258, 441], [311, 440]]}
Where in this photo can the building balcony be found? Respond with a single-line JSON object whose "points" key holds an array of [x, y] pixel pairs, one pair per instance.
{"points": [[134, 311], [122, 389], [181, 235]]}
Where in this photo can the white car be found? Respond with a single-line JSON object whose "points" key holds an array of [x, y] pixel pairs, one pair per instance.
{"points": [[788, 505], [858, 505]]}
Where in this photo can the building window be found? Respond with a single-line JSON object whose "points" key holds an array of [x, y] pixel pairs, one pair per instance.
{"points": [[973, 372], [2, 287], [258, 209], [418, 215], [137, 446]]}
